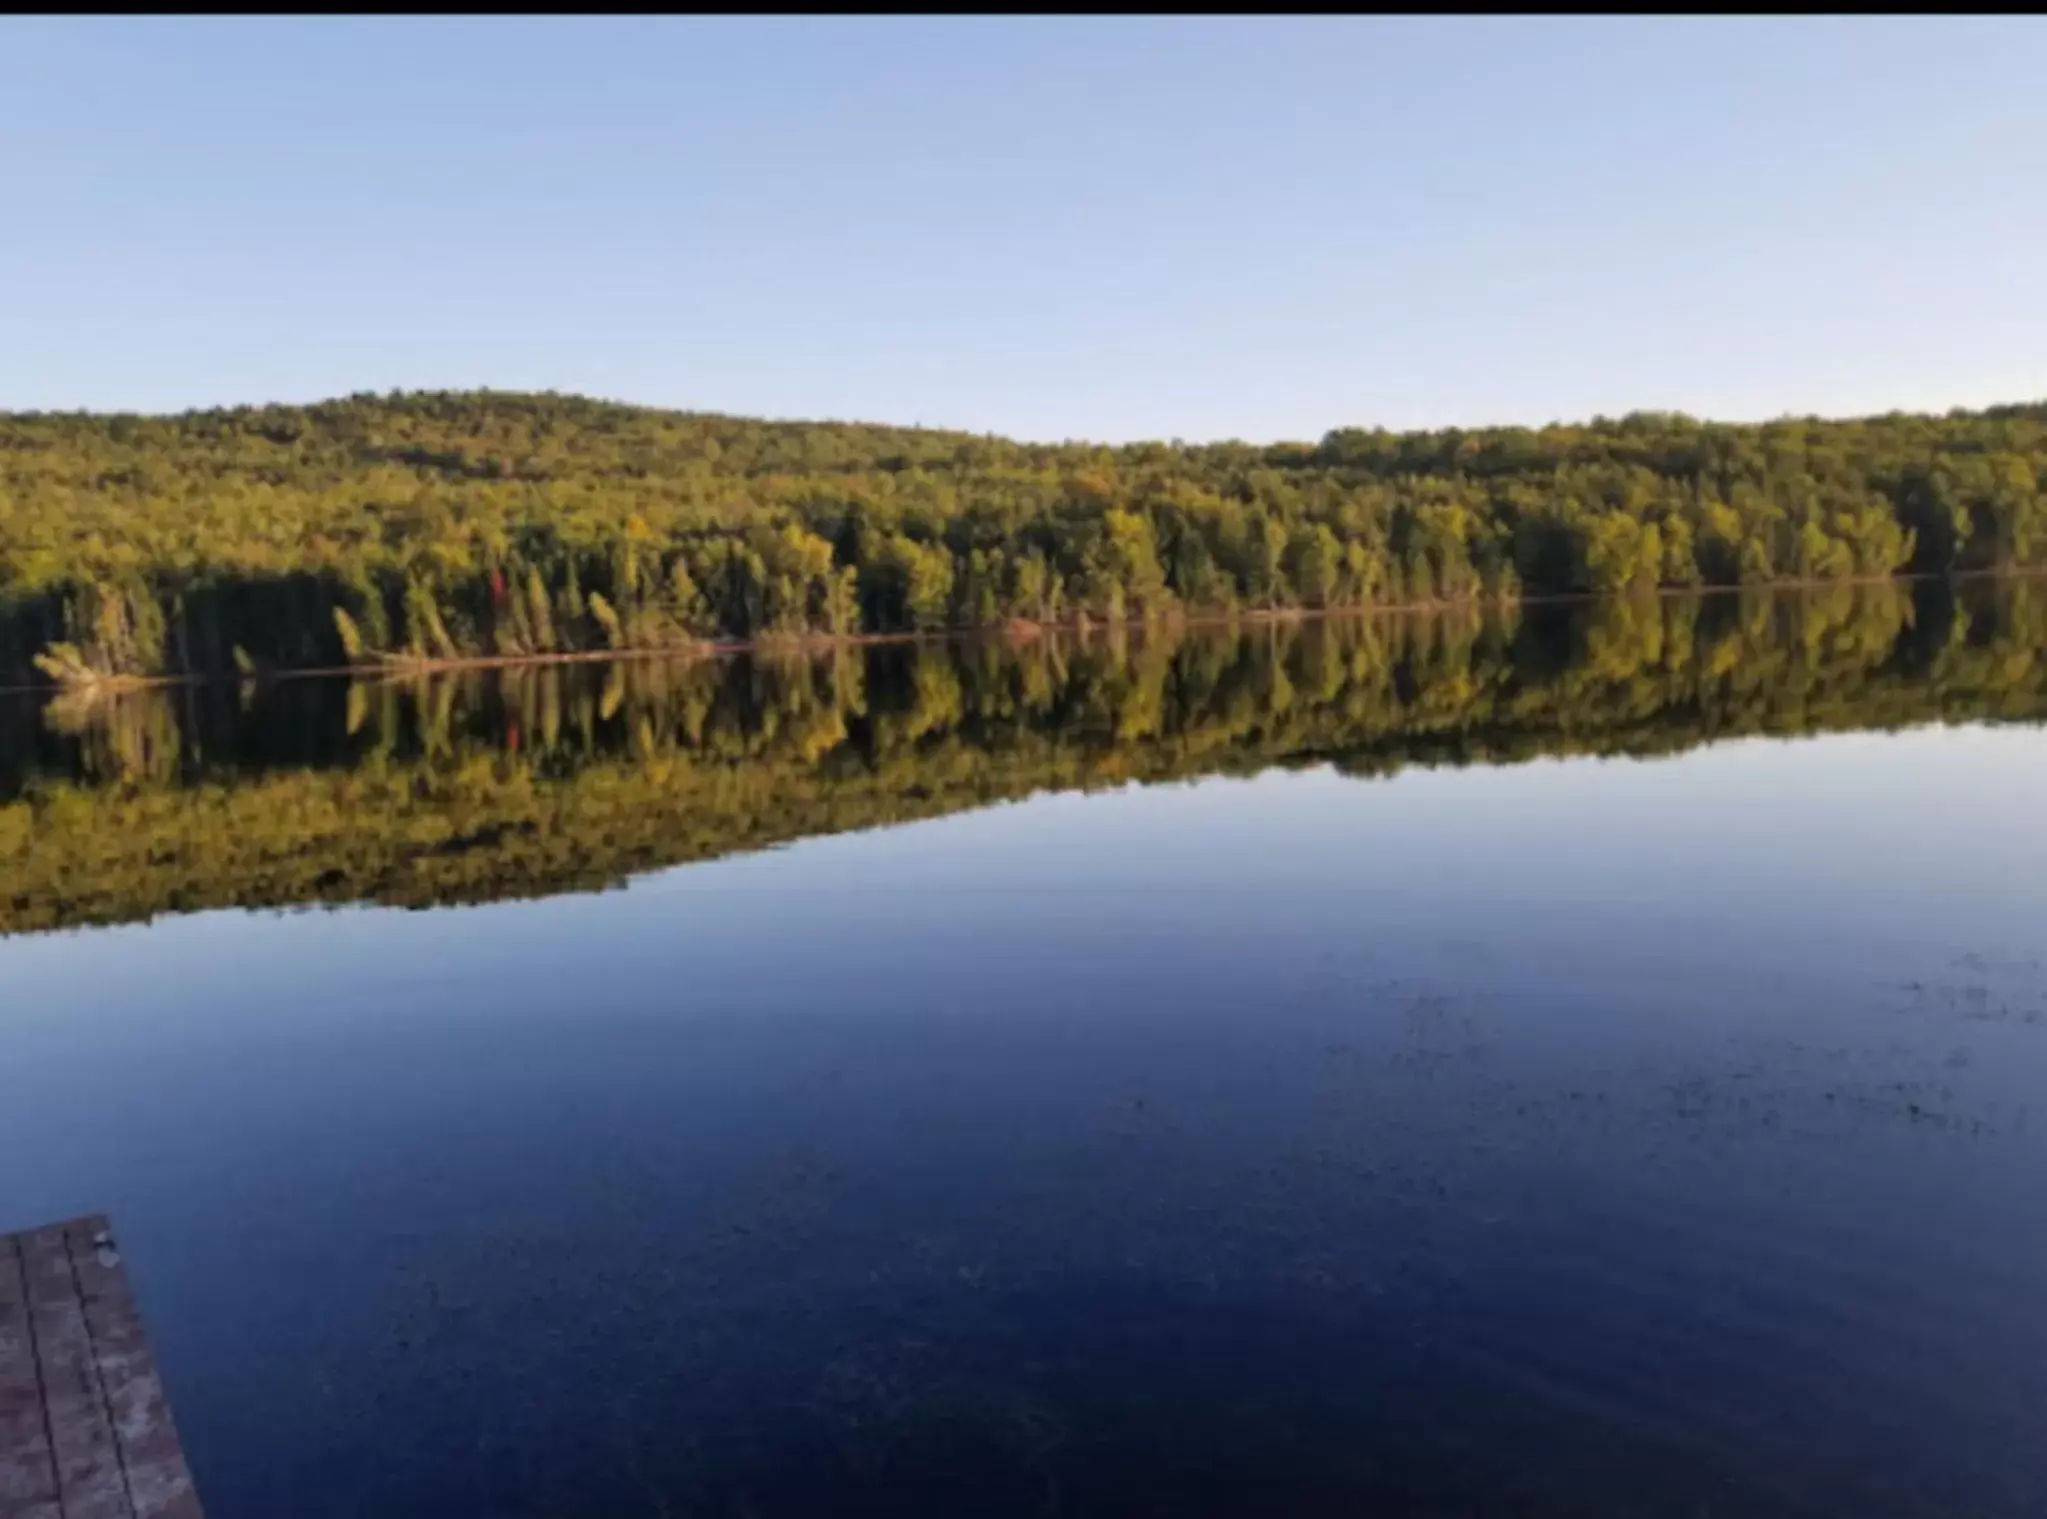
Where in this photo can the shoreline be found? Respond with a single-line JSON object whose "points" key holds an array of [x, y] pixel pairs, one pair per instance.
{"points": [[1014, 631]]}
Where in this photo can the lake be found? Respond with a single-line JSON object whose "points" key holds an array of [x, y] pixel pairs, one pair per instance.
{"points": [[1587, 1061]]}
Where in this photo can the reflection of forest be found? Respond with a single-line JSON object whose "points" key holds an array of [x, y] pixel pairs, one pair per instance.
{"points": [[544, 779]]}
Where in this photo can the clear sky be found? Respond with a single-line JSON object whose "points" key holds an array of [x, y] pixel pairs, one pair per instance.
{"points": [[1048, 228]]}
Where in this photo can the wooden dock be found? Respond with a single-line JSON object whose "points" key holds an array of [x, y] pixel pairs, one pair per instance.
{"points": [[85, 1432]]}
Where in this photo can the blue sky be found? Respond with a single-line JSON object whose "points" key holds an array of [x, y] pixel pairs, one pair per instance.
{"points": [[1046, 227]]}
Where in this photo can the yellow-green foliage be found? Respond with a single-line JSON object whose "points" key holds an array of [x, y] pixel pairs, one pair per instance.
{"points": [[481, 523], [490, 785]]}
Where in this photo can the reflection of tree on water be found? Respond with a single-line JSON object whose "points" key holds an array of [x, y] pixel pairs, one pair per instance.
{"points": [[546, 778]]}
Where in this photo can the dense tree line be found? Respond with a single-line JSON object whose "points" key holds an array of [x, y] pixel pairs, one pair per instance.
{"points": [[536, 780], [439, 526]]}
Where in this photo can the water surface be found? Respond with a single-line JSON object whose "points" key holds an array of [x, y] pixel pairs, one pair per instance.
{"points": [[1176, 1075]]}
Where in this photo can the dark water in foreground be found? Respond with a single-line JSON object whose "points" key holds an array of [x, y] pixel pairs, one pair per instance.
{"points": [[1588, 1136]]}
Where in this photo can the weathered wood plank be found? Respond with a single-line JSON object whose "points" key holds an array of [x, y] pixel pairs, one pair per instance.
{"points": [[85, 1428], [159, 1484], [90, 1484], [28, 1467]]}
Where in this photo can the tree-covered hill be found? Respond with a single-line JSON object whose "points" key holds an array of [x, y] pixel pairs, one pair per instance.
{"points": [[450, 525]]}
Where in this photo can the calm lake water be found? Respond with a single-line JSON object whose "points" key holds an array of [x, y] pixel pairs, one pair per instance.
{"points": [[1594, 1064]]}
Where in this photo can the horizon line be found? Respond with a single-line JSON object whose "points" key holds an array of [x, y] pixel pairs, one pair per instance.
{"points": [[1598, 419]]}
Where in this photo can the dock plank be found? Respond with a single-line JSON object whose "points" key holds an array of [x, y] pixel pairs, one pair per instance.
{"points": [[28, 1467], [85, 1430], [90, 1484], [159, 1486]]}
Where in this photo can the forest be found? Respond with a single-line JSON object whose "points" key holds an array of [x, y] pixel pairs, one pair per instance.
{"points": [[473, 786], [414, 528]]}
